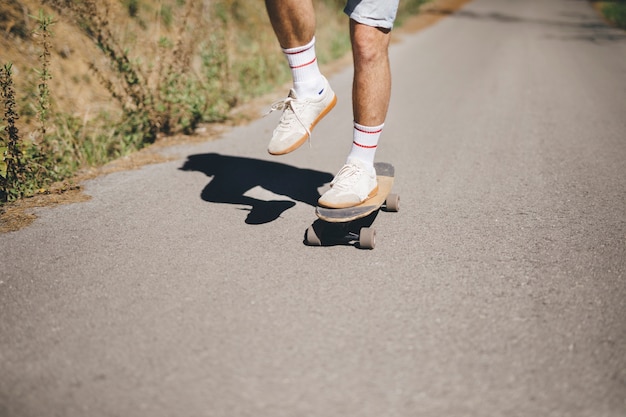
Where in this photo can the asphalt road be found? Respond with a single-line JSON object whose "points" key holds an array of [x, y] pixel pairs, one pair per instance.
{"points": [[185, 289]]}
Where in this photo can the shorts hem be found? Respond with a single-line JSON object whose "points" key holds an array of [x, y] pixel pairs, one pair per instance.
{"points": [[371, 22]]}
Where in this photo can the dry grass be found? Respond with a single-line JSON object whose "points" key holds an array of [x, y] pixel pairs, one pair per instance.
{"points": [[74, 88]]}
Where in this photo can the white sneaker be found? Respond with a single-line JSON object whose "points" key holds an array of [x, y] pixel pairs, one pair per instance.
{"points": [[354, 184], [299, 117]]}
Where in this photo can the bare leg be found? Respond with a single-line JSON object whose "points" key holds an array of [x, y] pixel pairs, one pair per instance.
{"points": [[371, 88], [293, 21], [371, 91]]}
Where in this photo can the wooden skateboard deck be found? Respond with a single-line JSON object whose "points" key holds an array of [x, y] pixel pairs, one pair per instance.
{"points": [[351, 225], [384, 175]]}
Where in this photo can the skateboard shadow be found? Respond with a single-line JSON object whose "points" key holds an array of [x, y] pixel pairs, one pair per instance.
{"points": [[233, 177], [335, 234]]}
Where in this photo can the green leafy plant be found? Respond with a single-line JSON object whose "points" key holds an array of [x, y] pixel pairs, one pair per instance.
{"points": [[12, 168], [615, 12]]}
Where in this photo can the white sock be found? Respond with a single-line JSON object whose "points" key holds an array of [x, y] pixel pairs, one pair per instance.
{"points": [[307, 78], [365, 142]]}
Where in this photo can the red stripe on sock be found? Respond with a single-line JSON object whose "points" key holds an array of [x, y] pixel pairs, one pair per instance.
{"points": [[297, 52], [368, 132], [364, 146], [304, 65]]}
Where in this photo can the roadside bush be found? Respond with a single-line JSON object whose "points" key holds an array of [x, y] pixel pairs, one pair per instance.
{"points": [[616, 12]]}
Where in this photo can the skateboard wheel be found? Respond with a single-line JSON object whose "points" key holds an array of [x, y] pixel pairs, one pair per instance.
{"points": [[393, 202], [367, 238], [312, 238]]}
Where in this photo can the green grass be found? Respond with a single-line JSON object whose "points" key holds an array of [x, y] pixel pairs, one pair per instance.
{"points": [[615, 12]]}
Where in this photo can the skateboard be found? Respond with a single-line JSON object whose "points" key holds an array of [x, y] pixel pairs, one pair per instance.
{"points": [[350, 225]]}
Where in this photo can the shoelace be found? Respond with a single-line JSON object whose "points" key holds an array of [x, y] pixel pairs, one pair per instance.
{"points": [[285, 121], [346, 177]]}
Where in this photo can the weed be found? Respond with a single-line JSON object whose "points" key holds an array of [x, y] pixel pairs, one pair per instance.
{"points": [[12, 168], [43, 102]]}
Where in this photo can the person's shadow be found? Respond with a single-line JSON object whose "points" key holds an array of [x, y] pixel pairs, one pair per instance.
{"points": [[234, 176]]}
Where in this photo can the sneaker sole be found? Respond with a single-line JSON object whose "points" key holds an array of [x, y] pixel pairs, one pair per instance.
{"points": [[303, 139]]}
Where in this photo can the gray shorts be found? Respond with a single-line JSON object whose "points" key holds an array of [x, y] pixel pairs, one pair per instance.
{"points": [[376, 13]]}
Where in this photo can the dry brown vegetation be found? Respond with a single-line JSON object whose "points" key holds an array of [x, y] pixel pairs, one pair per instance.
{"points": [[153, 28]]}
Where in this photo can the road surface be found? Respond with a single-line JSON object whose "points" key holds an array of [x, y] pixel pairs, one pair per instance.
{"points": [[184, 288]]}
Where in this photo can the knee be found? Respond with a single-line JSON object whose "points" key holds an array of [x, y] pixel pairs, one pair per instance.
{"points": [[369, 44]]}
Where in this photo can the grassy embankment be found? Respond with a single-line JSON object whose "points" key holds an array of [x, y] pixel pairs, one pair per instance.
{"points": [[83, 83]]}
